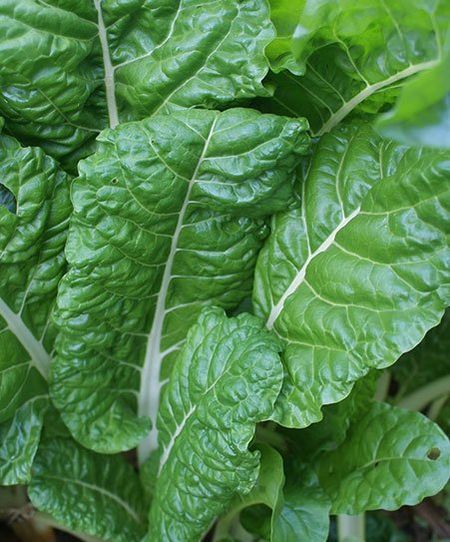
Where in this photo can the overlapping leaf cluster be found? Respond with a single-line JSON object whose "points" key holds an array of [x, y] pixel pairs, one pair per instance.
{"points": [[159, 182]]}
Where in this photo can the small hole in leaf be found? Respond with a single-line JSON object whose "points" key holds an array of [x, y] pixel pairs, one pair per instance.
{"points": [[114, 181], [434, 454], [7, 199], [376, 464]]}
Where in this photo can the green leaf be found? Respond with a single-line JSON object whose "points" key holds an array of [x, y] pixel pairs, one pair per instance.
{"points": [[352, 58], [421, 115], [429, 361], [66, 67], [332, 429], [225, 380], [169, 216], [359, 274], [19, 440], [297, 510], [391, 457], [304, 514], [90, 493], [34, 214]]}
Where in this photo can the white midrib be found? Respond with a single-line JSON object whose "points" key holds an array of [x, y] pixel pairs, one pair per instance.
{"points": [[39, 356], [108, 67], [150, 388], [102, 491], [301, 274], [341, 113]]}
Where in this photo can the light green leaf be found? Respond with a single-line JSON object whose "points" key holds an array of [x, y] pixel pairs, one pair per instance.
{"points": [[421, 115], [86, 492], [352, 58], [66, 66], [169, 216], [391, 457], [34, 214], [359, 274], [225, 380]]}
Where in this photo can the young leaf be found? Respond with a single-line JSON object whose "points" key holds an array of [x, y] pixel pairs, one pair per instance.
{"points": [[224, 381], [353, 57], [90, 493], [356, 277], [391, 457], [299, 509], [169, 216], [66, 67], [34, 214]]}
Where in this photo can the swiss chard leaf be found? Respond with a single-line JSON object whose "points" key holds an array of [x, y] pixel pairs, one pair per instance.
{"points": [[353, 57], [421, 115], [391, 457], [86, 492], [67, 66], [32, 237], [169, 216], [297, 510], [224, 381], [359, 274]]}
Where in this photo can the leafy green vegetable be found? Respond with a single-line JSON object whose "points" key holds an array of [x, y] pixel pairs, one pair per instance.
{"points": [[422, 114], [88, 492], [353, 57], [66, 67], [340, 280], [279, 511], [225, 380], [156, 208], [33, 229], [126, 294], [391, 457]]}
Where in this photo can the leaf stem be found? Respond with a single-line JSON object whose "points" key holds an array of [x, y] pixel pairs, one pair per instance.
{"points": [[108, 67], [419, 399], [351, 528], [436, 407]]}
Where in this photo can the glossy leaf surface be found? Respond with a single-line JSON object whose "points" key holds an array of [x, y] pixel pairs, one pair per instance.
{"points": [[358, 275], [169, 217], [34, 214], [353, 58], [391, 457], [225, 380], [65, 67]]}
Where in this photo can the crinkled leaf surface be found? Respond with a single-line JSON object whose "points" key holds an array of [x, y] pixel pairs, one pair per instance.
{"points": [[66, 66], [169, 215], [19, 439], [391, 457], [355, 57], [34, 213], [359, 274], [87, 492], [225, 380]]}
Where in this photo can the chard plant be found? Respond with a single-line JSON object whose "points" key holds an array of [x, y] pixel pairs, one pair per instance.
{"points": [[224, 266]]}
